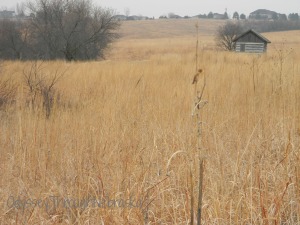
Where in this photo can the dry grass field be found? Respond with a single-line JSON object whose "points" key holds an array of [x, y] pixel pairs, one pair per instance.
{"points": [[121, 141]]}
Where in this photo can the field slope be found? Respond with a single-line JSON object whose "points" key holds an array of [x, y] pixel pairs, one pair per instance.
{"points": [[122, 130]]}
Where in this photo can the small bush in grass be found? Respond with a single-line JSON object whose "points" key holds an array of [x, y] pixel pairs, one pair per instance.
{"points": [[7, 91], [41, 86]]}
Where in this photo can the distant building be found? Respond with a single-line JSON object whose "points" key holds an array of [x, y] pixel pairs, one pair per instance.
{"points": [[137, 18], [262, 14], [251, 41], [174, 16], [219, 16], [120, 17], [7, 14]]}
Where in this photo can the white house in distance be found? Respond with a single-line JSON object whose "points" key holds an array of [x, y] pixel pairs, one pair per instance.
{"points": [[7, 14], [219, 16]]}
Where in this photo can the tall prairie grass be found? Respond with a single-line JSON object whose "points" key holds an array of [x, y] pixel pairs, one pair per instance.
{"points": [[118, 123]]}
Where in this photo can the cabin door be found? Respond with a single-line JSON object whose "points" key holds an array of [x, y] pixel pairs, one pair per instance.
{"points": [[242, 47]]}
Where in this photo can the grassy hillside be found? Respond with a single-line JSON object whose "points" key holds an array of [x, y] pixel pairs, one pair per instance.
{"points": [[142, 40], [123, 129], [167, 28]]}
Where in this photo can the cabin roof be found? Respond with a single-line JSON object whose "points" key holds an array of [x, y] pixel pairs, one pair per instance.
{"points": [[255, 33]]}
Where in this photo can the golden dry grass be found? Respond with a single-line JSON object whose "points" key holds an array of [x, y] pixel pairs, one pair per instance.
{"points": [[120, 121]]}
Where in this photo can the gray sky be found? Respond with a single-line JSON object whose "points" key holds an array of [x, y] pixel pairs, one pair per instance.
{"points": [[188, 7]]}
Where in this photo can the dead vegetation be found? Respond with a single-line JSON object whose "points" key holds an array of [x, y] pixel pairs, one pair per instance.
{"points": [[8, 90], [41, 86], [125, 140]]}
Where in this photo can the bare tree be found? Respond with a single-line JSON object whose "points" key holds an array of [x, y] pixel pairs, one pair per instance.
{"points": [[127, 12], [242, 16], [13, 38], [71, 29], [226, 34], [236, 16], [210, 15], [20, 10]]}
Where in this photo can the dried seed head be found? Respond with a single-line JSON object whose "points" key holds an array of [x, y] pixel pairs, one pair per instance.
{"points": [[196, 76], [195, 80]]}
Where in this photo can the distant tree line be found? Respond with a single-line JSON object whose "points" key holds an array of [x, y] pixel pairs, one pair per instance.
{"points": [[270, 26], [65, 29], [235, 16], [294, 16]]}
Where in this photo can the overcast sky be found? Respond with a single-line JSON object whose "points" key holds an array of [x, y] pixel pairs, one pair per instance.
{"points": [[157, 8]]}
